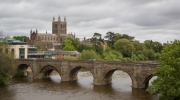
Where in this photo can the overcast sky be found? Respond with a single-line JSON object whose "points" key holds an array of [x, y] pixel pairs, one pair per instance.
{"points": [[157, 20]]}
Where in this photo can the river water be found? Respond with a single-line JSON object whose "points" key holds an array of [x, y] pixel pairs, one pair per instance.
{"points": [[82, 89]]}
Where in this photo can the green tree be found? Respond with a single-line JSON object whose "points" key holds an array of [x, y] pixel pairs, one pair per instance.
{"points": [[148, 44], [138, 46], [167, 83], [75, 43], [70, 58], [69, 48], [89, 54], [85, 47], [157, 46], [125, 36], [67, 44], [110, 39], [7, 64], [21, 38], [72, 44], [125, 47], [112, 55]]}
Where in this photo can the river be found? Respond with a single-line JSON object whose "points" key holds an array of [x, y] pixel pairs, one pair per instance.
{"points": [[83, 89]]}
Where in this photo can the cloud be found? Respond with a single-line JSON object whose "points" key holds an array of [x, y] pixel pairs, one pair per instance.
{"points": [[144, 19]]}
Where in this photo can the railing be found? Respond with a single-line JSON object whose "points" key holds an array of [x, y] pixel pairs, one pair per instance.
{"points": [[39, 53]]}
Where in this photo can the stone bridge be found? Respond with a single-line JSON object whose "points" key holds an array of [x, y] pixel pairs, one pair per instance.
{"points": [[102, 71]]}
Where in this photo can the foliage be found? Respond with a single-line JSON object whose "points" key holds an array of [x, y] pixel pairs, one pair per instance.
{"points": [[21, 38], [125, 47], [85, 47], [112, 55], [70, 44], [157, 46], [19, 74], [89, 54], [70, 58], [69, 48], [138, 46], [7, 64], [148, 44], [110, 38], [167, 84]]}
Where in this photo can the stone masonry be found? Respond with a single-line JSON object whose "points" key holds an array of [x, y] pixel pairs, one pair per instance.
{"points": [[140, 73]]}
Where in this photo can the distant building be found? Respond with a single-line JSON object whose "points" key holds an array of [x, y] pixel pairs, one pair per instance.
{"points": [[43, 37], [59, 32], [21, 50], [59, 28]]}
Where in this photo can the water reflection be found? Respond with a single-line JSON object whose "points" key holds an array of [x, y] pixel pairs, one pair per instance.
{"points": [[82, 89]]}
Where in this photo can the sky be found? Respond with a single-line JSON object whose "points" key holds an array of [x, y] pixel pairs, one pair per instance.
{"points": [[157, 20]]}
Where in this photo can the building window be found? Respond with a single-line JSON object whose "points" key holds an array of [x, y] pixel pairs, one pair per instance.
{"points": [[55, 26], [21, 53], [12, 51]]}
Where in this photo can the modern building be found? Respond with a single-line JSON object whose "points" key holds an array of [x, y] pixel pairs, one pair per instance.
{"points": [[21, 50]]}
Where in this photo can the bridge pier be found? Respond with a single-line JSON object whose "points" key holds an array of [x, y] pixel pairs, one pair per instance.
{"points": [[138, 83], [65, 71], [99, 78], [35, 69]]}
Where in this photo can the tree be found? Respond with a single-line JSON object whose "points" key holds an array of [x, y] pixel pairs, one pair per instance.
{"points": [[67, 44], [125, 47], [69, 48], [112, 55], [167, 83], [111, 38], [72, 44], [85, 47], [7, 63], [89, 54], [125, 36], [157, 46], [148, 44], [138, 46], [21, 38]]}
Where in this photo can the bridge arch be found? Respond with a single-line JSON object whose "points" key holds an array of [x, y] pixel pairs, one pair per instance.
{"points": [[108, 75], [147, 79], [46, 71], [23, 68], [74, 72]]}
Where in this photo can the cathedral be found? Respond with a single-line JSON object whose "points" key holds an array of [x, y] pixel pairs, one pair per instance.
{"points": [[59, 32]]}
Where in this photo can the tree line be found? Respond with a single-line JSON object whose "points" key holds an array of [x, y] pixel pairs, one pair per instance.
{"points": [[115, 47]]}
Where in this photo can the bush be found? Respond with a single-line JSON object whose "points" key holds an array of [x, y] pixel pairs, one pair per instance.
{"points": [[19, 74], [4, 79]]}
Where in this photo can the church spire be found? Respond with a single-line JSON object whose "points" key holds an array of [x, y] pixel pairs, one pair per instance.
{"points": [[65, 19], [53, 19], [59, 19]]}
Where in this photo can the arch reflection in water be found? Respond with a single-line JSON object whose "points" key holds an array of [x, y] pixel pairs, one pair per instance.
{"points": [[85, 78], [119, 79], [55, 77]]}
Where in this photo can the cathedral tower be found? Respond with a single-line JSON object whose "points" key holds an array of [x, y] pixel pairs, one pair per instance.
{"points": [[59, 27]]}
